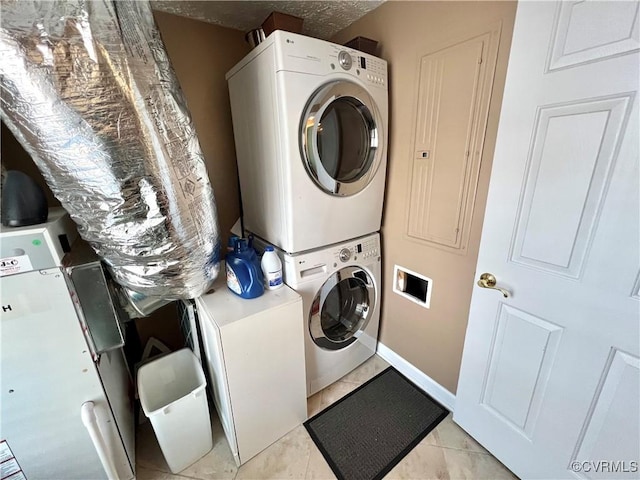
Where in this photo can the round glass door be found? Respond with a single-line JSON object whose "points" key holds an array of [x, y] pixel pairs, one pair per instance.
{"points": [[340, 138], [341, 309]]}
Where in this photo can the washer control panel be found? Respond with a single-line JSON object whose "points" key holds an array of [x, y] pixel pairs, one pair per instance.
{"points": [[365, 249], [370, 248], [345, 255], [345, 60]]}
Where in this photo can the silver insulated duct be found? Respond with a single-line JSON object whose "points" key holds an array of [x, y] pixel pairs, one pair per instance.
{"points": [[88, 90]]}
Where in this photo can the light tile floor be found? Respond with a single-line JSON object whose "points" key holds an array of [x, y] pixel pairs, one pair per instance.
{"points": [[446, 453]]}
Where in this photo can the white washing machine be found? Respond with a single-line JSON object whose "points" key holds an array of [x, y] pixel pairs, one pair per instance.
{"points": [[340, 286], [310, 125]]}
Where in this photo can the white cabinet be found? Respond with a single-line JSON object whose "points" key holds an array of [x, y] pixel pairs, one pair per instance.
{"points": [[254, 353]]}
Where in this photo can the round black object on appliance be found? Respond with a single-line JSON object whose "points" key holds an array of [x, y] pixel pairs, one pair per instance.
{"points": [[23, 201]]}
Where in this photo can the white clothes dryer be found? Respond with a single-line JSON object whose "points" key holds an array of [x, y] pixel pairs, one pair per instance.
{"points": [[310, 121], [340, 286]]}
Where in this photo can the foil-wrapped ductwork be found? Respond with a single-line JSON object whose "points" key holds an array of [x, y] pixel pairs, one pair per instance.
{"points": [[88, 90]]}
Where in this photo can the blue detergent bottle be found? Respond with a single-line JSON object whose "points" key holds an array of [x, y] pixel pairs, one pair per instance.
{"points": [[233, 240], [244, 276]]}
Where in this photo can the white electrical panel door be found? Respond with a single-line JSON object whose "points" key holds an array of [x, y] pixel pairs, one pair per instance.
{"points": [[47, 373]]}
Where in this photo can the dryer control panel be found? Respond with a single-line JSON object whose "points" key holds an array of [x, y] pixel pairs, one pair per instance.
{"points": [[370, 69], [310, 55]]}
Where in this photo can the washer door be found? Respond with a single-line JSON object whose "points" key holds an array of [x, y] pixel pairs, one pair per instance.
{"points": [[341, 309], [341, 138]]}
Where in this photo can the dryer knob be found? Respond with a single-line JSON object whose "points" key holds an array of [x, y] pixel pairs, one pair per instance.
{"points": [[345, 60], [345, 255]]}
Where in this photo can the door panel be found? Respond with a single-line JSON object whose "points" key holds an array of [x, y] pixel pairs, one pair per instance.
{"points": [[522, 353], [587, 31], [549, 380], [577, 141], [614, 410]]}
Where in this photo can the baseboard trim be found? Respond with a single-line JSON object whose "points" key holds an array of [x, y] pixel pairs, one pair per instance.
{"points": [[421, 379]]}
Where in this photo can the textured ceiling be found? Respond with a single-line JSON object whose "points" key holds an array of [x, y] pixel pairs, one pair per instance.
{"points": [[322, 19]]}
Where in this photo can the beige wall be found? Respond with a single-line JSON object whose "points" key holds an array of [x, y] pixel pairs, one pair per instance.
{"points": [[432, 339]]}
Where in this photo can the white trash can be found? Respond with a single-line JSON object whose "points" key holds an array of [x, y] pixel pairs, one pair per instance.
{"points": [[173, 397]]}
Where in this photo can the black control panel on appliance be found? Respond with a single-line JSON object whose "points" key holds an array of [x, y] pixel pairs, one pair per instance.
{"points": [[359, 248], [363, 63]]}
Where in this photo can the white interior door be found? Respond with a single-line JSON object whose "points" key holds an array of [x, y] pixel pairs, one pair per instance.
{"points": [[550, 375]]}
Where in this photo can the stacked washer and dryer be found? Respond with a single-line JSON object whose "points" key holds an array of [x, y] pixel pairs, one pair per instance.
{"points": [[310, 124]]}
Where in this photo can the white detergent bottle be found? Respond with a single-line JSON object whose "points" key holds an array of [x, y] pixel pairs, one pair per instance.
{"points": [[271, 268]]}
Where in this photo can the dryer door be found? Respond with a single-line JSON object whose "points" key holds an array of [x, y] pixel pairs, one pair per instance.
{"points": [[341, 138], [342, 307]]}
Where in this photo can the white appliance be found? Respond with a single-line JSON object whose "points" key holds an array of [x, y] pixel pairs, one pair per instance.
{"points": [[341, 288], [310, 125], [254, 355], [65, 409], [37, 246]]}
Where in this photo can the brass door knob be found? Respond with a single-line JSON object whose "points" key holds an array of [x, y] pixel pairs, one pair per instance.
{"points": [[487, 280]]}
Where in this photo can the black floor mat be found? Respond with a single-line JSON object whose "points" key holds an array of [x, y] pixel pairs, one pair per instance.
{"points": [[366, 433]]}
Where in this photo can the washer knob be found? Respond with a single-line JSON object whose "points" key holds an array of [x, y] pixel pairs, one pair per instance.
{"points": [[345, 255], [345, 60]]}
